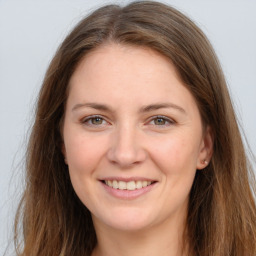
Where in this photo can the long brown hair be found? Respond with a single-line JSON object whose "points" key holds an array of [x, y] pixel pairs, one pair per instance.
{"points": [[222, 214]]}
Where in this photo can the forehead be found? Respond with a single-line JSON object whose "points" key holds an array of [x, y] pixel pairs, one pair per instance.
{"points": [[131, 60], [124, 74]]}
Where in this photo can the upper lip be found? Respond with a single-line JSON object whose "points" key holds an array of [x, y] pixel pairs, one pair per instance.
{"points": [[127, 179]]}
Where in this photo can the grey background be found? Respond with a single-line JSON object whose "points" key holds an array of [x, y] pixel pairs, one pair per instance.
{"points": [[30, 32]]}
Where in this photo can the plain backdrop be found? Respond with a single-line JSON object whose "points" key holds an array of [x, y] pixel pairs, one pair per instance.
{"points": [[30, 32]]}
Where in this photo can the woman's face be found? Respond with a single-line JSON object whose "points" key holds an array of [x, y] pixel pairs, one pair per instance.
{"points": [[133, 138]]}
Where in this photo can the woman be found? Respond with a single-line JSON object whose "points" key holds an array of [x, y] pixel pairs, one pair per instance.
{"points": [[135, 148]]}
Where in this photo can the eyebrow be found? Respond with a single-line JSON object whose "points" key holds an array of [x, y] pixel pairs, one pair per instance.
{"points": [[92, 105], [157, 106], [143, 109]]}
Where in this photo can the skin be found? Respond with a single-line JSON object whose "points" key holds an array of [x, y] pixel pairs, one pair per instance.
{"points": [[129, 140]]}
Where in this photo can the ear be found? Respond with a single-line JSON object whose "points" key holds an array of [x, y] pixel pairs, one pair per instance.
{"points": [[206, 148], [63, 150]]}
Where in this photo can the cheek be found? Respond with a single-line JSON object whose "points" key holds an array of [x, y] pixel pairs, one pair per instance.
{"points": [[175, 154], [83, 153], [83, 156]]}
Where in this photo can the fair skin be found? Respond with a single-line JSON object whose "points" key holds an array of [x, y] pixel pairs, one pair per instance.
{"points": [[133, 140]]}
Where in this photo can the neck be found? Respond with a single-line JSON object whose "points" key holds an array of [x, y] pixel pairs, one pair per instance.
{"points": [[165, 240]]}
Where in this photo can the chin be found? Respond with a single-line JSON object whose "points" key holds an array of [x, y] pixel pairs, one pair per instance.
{"points": [[129, 221], [129, 226]]}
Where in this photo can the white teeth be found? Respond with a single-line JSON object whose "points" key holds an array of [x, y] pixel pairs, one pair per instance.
{"points": [[122, 185], [130, 185], [144, 184], [138, 184], [115, 184], [109, 183]]}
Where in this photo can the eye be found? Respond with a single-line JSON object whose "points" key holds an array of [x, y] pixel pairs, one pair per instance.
{"points": [[94, 121], [161, 121]]}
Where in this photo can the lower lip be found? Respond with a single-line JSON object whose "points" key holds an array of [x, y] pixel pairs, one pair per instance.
{"points": [[128, 194]]}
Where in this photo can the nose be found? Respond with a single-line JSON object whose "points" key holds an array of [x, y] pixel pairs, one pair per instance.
{"points": [[126, 148]]}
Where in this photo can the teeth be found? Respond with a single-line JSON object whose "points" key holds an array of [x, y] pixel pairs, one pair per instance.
{"points": [[130, 185], [109, 183], [144, 184], [115, 184], [122, 185], [138, 184]]}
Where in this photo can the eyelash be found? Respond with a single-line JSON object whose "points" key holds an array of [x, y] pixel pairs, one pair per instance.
{"points": [[88, 121]]}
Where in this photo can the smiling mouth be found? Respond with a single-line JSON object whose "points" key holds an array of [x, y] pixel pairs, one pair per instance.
{"points": [[130, 185]]}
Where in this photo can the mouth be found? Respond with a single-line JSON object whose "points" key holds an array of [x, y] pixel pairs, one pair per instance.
{"points": [[129, 185], [128, 188]]}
